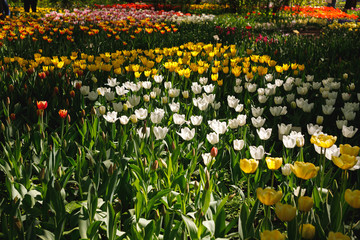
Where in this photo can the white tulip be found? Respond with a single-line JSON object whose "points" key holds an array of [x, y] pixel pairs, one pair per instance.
{"points": [[257, 152], [264, 134], [160, 132], [349, 132], [118, 107], [187, 133], [196, 120], [238, 144], [212, 138], [111, 117]]}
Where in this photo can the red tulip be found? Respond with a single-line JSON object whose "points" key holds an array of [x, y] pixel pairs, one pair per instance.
{"points": [[42, 105], [214, 152], [63, 113]]}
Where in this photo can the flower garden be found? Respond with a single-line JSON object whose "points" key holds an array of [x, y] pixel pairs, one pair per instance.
{"points": [[136, 121]]}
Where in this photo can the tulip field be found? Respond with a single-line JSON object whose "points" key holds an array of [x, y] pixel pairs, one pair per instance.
{"points": [[136, 121]]}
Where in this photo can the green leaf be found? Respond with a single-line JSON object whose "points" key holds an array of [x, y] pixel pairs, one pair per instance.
{"points": [[190, 226], [244, 213], [93, 229], [156, 198], [71, 206], [46, 235]]}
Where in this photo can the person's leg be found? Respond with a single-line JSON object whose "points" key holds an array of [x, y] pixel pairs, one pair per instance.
{"points": [[6, 8], [33, 5], [26, 5]]}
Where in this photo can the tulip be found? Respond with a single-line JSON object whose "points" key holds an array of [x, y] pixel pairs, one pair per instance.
{"points": [[273, 163], [257, 152], [349, 132], [304, 170], [285, 212], [160, 132], [264, 134], [322, 140], [268, 196], [207, 158], [238, 144], [258, 122], [111, 117], [307, 231], [353, 198], [349, 150], [289, 141], [313, 129], [344, 161], [286, 170], [214, 152], [63, 113], [248, 165], [196, 120], [41, 105], [305, 203], [337, 236], [141, 113], [212, 138], [270, 235], [187, 133]]}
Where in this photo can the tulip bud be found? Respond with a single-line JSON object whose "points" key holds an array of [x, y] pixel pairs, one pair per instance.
{"points": [[293, 104], [59, 171], [17, 223], [57, 185], [111, 170], [11, 88], [196, 185], [286, 170], [157, 214], [125, 107], [2, 127], [173, 146], [7, 101], [13, 116], [28, 128], [319, 120], [163, 163], [42, 174], [155, 165], [103, 136], [93, 111], [214, 152], [345, 76], [163, 210], [145, 162], [193, 152], [102, 110], [232, 196], [68, 118], [133, 118]]}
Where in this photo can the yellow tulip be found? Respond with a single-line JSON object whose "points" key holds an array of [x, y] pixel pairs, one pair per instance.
{"points": [[249, 165], [337, 236], [269, 235], [307, 231], [322, 140], [268, 196], [305, 203], [304, 170], [285, 212], [279, 69], [344, 161], [353, 198], [273, 163], [349, 150]]}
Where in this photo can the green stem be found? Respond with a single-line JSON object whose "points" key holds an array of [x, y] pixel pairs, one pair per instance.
{"points": [[248, 190], [272, 179]]}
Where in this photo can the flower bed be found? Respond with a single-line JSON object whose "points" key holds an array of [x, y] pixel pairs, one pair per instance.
{"points": [[195, 140]]}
